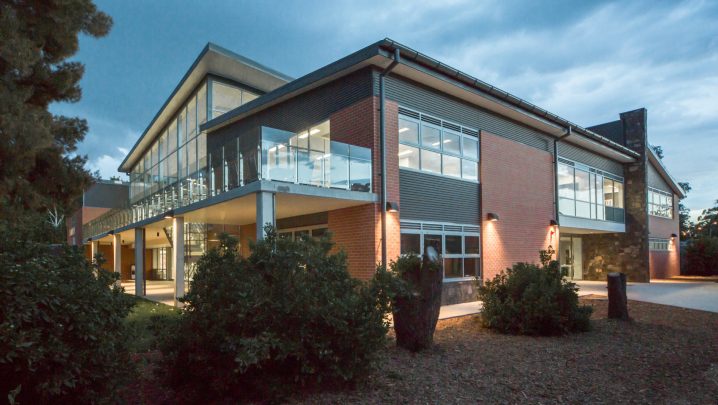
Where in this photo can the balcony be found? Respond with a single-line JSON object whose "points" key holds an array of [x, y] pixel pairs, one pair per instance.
{"points": [[266, 154]]}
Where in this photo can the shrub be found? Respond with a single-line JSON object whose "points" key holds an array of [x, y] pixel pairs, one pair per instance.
{"points": [[62, 334], [288, 316], [701, 257], [528, 299], [416, 302]]}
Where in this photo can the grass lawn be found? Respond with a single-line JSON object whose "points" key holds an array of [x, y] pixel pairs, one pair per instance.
{"points": [[665, 355], [140, 319]]}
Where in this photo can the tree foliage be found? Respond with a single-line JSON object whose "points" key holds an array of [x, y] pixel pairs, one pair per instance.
{"points": [[286, 317], [37, 167]]}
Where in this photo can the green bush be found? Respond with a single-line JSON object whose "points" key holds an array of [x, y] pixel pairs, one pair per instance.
{"points": [[528, 299], [288, 316], [701, 257], [62, 334]]}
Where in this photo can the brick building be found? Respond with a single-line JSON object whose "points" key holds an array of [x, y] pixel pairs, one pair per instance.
{"points": [[392, 152]]}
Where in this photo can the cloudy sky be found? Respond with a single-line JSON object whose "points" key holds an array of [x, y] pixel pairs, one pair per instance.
{"points": [[585, 61]]}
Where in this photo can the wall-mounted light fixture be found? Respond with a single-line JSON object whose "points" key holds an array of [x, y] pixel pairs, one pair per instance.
{"points": [[492, 217], [673, 235], [158, 234], [392, 206], [169, 214], [553, 223], [112, 232]]}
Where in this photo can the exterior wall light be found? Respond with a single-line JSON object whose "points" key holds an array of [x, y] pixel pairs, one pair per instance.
{"points": [[392, 206], [492, 217], [553, 223], [169, 214], [673, 235]]}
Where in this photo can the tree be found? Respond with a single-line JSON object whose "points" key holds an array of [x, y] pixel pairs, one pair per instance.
{"points": [[707, 223], [658, 150], [684, 213], [38, 171]]}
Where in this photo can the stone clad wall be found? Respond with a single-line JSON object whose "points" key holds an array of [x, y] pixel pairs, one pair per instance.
{"points": [[626, 252]]}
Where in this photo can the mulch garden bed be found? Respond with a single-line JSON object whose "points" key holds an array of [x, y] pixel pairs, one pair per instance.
{"points": [[665, 355]]}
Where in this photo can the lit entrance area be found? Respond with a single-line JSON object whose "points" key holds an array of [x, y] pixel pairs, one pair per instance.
{"points": [[571, 256]]}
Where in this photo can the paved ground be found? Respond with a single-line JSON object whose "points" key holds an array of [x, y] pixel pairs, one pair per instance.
{"points": [[684, 294]]}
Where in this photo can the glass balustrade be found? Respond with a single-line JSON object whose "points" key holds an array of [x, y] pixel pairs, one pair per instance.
{"points": [[275, 155]]}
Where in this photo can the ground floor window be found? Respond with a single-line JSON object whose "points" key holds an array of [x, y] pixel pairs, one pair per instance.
{"points": [[315, 231], [659, 244], [458, 245], [161, 264]]}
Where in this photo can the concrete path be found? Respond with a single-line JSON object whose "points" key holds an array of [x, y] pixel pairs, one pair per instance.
{"points": [[157, 290], [685, 294], [452, 311]]}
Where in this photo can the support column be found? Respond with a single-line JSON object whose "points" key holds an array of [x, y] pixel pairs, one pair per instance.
{"points": [[94, 249], [178, 256], [140, 262], [265, 212], [117, 256]]}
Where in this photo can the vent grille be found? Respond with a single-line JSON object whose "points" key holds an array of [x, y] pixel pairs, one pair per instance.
{"points": [[431, 227], [568, 162], [452, 126], [410, 225], [452, 228], [471, 132], [431, 120], [409, 113], [471, 229]]}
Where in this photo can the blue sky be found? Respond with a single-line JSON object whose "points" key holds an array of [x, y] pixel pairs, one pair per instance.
{"points": [[585, 61]]}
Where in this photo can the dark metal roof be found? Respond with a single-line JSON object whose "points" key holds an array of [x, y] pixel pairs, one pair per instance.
{"points": [[612, 130], [386, 47]]}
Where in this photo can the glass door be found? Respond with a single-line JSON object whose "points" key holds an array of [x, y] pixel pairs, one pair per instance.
{"points": [[571, 256]]}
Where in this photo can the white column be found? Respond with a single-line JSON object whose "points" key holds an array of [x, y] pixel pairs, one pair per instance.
{"points": [[178, 256], [94, 249], [117, 255], [140, 261], [265, 212]]}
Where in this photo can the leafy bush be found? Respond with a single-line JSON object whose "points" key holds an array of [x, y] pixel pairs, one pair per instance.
{"points": [[416, 301], [701, 257], [528, 299], [287, 316], [62, 334]]}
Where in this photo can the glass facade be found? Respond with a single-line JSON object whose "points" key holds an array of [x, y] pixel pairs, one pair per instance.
{"points": [[435, 146], [459, 246], [586, 192], [172, 172], [660, 203]]}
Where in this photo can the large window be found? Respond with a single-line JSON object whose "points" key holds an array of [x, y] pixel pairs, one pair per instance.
{"points": [[459, 246], [435, 146], [586, 192], [659, 244], [660, 203]]}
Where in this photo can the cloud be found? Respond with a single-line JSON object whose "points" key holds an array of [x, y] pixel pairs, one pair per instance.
{"points": [[107, 164]]}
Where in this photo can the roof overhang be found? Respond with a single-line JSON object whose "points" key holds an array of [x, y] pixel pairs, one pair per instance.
{"points": [[661, 169], [212, 60]]}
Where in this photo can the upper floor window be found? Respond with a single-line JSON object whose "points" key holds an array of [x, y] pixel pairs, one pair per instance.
{"points": [[226, 98], [586, 192], [432, 145], [660, 203]]}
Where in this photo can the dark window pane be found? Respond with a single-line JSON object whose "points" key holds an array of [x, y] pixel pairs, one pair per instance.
{"points": [[410, 243], [473, 247], [433, 241], [453, 244], [318, 233], [471, 267], [452, 267]]}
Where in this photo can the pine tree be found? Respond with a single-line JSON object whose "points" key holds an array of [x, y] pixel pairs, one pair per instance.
{"points": [[38, 169]]}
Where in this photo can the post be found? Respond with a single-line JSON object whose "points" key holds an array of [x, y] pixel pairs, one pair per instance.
{"points": [[117, 256], [617, 297], [139, 262], [265, 212], [94, 249], [178, 256]]}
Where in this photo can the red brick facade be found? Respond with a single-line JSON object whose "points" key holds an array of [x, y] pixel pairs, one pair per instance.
{"points": [[517, 184], [357, 230], [665, 264]]}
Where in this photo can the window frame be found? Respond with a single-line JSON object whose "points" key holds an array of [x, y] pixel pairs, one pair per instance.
{"points": [[422, 231], [655, 209], [440, 150], [593, 179]]}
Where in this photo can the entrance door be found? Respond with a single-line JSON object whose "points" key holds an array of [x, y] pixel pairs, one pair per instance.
{"points": [[571, 256]]}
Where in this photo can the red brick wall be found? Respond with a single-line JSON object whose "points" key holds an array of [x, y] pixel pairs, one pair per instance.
{"points": [[517, 184], [358, 229], [665, 264]]}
